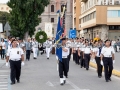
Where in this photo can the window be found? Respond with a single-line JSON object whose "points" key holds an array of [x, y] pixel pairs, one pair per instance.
{"points": [[52, 8], [116, 27], [1, 8], [6, 8], [109, 13], [119, 13], [52, 20], [113, 13]]}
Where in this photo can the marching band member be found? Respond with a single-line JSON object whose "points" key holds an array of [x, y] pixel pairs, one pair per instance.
{"points": [[82, 61], [97, 52], [15, 56], [86, 54], [48, 47], [35, 48], [63, 66], [107, 56]]}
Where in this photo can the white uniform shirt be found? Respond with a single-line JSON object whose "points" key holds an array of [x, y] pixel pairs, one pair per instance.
{"points": [[87, 50], [96, 50], [3, 45], [65, 54], [48, 44], [35, 44], [108, 51], [82, 47], [15, 53]]}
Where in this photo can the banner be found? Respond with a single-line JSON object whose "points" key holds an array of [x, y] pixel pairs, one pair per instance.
{"points": [[48, 29]]}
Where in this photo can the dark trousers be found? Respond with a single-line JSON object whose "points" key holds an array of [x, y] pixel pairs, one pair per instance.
{"points": [[108, 67], [3, 53], [87, 60], [28, 54], [15, 67], [63, 67], [74, 56], [77, 58], [82, 61], [99, 66]]}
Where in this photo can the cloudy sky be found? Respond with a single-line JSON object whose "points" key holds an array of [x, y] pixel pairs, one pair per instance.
{"points": [[4, 1]]}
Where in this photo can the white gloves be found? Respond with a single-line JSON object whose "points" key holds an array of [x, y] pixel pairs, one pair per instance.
{"points": [[101, 62], [113, 61], [22, 64], [7, 64]]}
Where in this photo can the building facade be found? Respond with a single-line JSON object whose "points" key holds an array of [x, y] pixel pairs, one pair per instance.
{"points": [[50, 15], [99, 17], [4, 7]]}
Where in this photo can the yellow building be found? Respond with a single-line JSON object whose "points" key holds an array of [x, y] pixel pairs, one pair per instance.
{"points": [[98, 17]]}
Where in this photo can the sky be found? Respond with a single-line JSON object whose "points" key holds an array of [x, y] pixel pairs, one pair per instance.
{"points": [[4, 1]]}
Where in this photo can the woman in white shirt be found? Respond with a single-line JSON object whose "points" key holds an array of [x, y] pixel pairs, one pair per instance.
{"points": [[3, 48]]}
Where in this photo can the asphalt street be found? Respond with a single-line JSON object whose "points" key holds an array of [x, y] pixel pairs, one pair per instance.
{"points": [[42, 74]]}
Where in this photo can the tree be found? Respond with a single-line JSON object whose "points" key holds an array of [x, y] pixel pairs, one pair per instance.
{"points": [[24, 16], [4, 17]]}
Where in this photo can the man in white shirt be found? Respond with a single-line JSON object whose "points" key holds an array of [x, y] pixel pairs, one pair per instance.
{"points": [[63, 65], [48, 47], [15, 55], [107, 57], [35, 48]]}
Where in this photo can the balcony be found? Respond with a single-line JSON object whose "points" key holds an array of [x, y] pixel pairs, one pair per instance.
{"points": [[84, 0]]}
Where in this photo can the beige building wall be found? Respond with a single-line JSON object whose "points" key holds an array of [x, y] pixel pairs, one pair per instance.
{"points": [[4, 7]]}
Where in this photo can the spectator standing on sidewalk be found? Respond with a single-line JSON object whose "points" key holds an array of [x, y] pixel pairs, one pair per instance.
{"points": [[3, 45]]}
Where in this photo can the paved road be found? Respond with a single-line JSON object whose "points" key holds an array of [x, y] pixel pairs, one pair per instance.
{"points": [[41, 74]]}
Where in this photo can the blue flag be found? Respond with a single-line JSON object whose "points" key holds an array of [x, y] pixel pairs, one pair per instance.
{"points": [[58, 34]]}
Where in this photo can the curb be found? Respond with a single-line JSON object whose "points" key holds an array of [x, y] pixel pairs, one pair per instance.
{"points": [[114, 72]]}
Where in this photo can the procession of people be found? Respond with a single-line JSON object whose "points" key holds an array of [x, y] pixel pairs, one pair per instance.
{"points": [[80, 50]]}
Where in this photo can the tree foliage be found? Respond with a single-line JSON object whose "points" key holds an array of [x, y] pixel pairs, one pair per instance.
{"points": [[4, 17], [24, 16]]}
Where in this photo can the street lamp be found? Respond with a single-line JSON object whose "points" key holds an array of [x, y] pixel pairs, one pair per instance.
{"points": [[7, 28]]}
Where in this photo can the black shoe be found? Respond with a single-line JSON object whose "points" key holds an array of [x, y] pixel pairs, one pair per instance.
{"points": [[99, 76], [81, 66], [12, 83], [66, 76], [87, 69], [47, 58], [18, 81], [110, 79], [107, 80], [62, 84]]}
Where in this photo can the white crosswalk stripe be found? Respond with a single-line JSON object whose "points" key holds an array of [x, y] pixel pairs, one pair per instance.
{"points": [[4, 75]]}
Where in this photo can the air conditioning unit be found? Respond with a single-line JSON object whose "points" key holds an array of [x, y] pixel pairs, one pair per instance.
{"points": [[117, 3]]}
